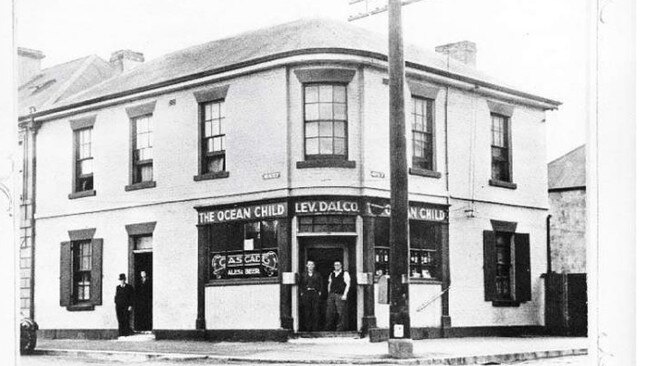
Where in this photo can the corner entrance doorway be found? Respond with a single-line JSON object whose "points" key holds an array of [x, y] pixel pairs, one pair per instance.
{"points": [[324, 251], [142, 281]]}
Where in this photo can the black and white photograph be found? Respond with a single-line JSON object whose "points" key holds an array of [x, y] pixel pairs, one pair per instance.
{"points": [[358, 182]]}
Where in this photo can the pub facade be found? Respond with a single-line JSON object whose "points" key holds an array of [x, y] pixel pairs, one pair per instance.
{"points": [[221, 180]]}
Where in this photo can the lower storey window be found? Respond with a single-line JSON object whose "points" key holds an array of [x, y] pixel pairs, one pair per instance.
{"points": [[244, 250], [425, 242], [506, 267], [82, 267]]}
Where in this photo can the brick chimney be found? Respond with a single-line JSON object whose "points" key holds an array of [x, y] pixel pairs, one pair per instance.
{"points": [[125, 60], [29, 64], [464, 51]]}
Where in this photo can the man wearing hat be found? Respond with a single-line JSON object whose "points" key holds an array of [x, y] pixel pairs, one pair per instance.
{"points": [[123, 305]]}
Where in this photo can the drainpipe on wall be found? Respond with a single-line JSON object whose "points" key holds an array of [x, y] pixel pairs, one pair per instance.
{"points": [[549, 267]]}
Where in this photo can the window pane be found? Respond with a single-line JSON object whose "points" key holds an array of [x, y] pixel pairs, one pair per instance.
{"points": [[339, 129], [326, 146], [311, 129], [339, 146], [311, 94], [311, 146], [143, 242], [325, 111], [87, 166], [340, 111], [270, 234], [216, 163], [207, 129], [145, 154], [325, 129], [325, 93], [339, 94], [146, 173], [311, 112]]}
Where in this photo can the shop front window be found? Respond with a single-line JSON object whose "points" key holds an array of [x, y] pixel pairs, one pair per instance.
{"points": [[425, 242], [244, 250]]}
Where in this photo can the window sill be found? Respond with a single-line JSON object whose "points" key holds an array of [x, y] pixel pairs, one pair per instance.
{"points": [[415, 280], [80, 307], [326, 163], [428, 281], [142, 185], [505, 303], [81, 194], [244, 281], [208, 176], [424, 173], [502, 184]]}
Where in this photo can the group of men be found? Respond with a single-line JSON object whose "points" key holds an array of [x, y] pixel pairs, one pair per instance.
{"points": [[126, 297], [311, 289]]}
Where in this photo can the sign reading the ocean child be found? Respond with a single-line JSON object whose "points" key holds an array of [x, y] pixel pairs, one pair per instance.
{"points": [[261, 211], [416, 212]]}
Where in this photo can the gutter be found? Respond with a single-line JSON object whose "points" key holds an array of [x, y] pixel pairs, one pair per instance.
{"points": [[310, 51]]}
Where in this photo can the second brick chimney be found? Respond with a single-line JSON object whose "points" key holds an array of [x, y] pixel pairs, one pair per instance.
{"points": [[125, 60], [464, 51]]}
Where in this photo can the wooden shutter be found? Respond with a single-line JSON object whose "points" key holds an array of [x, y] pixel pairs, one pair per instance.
{"points": [[522, 267], [96, 272], [65, 280], [489, 265]]}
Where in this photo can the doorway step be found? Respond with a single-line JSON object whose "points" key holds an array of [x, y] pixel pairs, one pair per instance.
{"points": [[138, 337], [347, 334]]}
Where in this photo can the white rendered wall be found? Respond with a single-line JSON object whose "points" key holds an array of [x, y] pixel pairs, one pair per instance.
{"points": [[242, 307]]}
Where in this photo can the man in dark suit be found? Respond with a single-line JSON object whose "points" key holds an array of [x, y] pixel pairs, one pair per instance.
{"points": [[310, 291], [143, 302], [123, 305]]}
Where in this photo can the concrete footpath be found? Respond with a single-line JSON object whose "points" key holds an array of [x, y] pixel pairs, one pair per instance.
{"points": [[449, 351]]}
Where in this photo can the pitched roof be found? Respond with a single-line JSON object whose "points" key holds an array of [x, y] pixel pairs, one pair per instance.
{"points": [[56, 83], [568, 170], [258, 45]]}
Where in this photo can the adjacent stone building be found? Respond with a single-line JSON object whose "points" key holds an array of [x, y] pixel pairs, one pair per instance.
{"points": [[567, 199], [222, 168]]}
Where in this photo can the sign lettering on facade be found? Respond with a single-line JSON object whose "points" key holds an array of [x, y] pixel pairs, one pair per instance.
{"points": [[327, 207], [416, 212], [244, 213]]}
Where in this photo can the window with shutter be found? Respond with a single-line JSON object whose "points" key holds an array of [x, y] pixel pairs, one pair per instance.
{"points": [[506, 268], [65, 289], [522, 268], [489, 265]]}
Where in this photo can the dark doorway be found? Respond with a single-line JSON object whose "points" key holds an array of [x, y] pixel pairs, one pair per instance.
{"points": [[142, 311], [324, 251]]}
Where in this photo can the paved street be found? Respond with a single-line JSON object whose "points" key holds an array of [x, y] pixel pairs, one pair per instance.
{"points": [[64, 361]]}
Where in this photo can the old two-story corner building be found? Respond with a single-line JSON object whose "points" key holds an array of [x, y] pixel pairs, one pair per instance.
{"points": [[222, 168]]}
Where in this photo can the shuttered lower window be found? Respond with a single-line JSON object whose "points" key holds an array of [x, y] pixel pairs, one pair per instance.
{"points": [[81, 274], [506, 268]]}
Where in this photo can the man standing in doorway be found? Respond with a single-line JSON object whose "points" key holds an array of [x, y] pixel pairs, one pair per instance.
{"points": [[143, 302], [338, 287], [123, 305], [310, 291]]}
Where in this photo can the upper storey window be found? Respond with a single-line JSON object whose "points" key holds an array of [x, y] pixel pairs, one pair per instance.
{"points": [[325, 121], [143, 150], [423, 129], [500, 148], [423, 143], [142, 143], [213, 115], [212, 132], [83, 167], [501, 145], [325, 116]]}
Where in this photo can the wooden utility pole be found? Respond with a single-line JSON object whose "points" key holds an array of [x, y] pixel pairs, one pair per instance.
{"points": [[399, 343]]}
